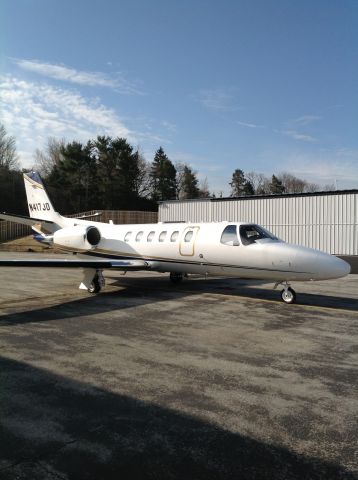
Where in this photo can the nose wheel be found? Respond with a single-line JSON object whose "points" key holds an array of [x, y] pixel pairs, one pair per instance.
{"points": [[288, 295]]}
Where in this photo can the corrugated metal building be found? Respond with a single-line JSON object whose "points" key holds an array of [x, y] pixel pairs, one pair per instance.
{"points": [[327, 221]]}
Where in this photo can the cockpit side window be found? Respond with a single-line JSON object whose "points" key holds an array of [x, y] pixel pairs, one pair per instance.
{"points": [[229, 236], [250, 233]]}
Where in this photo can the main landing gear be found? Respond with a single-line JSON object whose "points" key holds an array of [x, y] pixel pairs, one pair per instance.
{"points": [[176, 277], [288, 294], [97, 283]]}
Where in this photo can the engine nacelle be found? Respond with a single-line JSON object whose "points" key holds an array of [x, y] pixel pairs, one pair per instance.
{"points": [[78, 238]]}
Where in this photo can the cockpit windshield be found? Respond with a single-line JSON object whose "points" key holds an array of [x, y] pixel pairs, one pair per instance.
{"points": [[251, 233]]}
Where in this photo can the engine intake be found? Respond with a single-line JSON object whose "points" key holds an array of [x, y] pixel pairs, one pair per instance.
{"points": [[77, 238], [93, 236]]}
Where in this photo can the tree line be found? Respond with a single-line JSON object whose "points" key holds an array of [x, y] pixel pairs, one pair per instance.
{"points": [[108, 173]]}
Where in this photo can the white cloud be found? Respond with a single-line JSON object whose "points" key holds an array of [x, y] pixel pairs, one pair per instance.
{"points": [[249, 125], [323, 168], [219, 99], [33, 111], [307, 119], [68, 74], [347, 152], [171, 127], [297, 135], [184, 157]]}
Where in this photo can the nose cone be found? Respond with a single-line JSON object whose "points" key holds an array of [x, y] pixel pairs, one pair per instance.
{"points": [[339, 267], [319, 265], [328, 266]]}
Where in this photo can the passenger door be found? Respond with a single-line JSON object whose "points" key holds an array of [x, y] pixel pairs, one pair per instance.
{"points": [[187, 241]]}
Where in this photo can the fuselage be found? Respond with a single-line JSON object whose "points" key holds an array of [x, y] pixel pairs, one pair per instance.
{"points": [[224, 248]]}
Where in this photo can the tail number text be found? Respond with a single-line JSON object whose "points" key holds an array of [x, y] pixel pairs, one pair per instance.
{"points": [[39, 207]]}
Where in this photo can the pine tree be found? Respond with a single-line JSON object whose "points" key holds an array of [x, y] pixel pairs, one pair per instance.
{"points": [[239, 185], [188, 184], [276, 186], [248, 189], [163, 177], [73, 179]]}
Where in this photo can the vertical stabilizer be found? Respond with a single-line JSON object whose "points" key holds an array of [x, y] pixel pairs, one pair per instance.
{"points": [[38, 201]]}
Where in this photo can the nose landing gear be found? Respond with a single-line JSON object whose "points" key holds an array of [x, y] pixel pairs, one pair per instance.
{"points": [[288, 294]]}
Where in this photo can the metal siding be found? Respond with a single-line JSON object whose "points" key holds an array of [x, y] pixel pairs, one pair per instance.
{"points": [[326, 222]]}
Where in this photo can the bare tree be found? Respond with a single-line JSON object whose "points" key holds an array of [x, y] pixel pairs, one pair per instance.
{"points": [[264, 188], [259, 181], [291, 183], [143, 182], [8, 156], [294, 184], [180, 178], [46, 160], [312, 187], [204, 188], [330, 187]]}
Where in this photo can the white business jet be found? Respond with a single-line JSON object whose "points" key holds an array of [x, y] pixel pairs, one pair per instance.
{"points": [[229, 249]]}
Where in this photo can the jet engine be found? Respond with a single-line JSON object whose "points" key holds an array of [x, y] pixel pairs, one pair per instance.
{"points": [[78, 238]]}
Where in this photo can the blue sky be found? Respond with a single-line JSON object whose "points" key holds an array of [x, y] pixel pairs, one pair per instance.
{"points": [[266, 86]]}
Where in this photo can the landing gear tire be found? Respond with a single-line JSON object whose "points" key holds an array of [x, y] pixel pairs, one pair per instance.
{"points": [[176, 277], [97, 283], [288, 295], [95, 287]]}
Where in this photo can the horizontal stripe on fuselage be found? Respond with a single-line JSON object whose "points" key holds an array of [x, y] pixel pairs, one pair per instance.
{"points": [[103, 254]]}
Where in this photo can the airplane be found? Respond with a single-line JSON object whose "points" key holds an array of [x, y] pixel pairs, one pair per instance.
{"points": [[230, 249]]}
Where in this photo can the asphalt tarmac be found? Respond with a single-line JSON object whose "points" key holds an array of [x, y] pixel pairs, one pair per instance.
{"points": [[209, 379]]}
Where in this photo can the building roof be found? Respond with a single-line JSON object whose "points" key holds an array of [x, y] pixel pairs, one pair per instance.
{"points": [[268, 196]]}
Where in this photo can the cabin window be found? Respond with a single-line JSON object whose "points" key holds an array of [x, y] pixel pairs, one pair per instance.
{"points": [[139, 236], [188, 236], [250, 233], [162, 236], [229, 236], [128, 236], [174, 236], [150, 236]]}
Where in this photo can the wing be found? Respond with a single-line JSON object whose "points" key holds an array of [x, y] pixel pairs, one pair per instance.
{"points": [[91, 268], [127, 265]]}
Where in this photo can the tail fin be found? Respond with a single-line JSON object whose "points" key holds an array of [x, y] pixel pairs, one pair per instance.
{"points": [[40, 205]]}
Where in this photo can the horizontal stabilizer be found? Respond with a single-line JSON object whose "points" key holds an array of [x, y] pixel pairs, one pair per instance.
{"points": [[30, 221]]}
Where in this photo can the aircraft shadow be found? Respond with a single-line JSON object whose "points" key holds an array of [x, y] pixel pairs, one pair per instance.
{"points": [[139, 291], [55, 427], [86, 306], [233, 287]]}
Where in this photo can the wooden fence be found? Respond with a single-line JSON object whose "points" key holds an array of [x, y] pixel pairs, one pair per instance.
{"points": [[10, 231]]}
